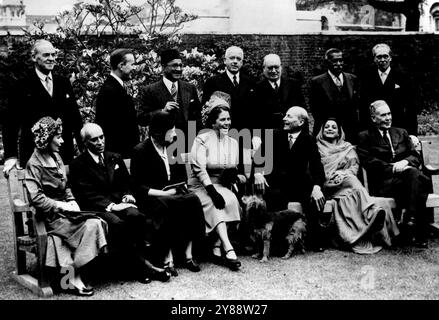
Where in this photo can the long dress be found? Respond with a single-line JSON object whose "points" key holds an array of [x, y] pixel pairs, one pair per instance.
{"points": [[77, 241], [356, 211], [210, 155]]}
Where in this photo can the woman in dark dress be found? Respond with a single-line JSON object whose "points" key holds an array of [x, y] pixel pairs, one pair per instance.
{"points": [[177, 214]]}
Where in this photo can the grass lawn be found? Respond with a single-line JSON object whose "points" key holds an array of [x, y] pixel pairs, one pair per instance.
{"points": [[399, 273]]}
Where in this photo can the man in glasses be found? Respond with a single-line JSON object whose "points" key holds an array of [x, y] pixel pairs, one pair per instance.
{"points": [[170, 94], [386, 82]]}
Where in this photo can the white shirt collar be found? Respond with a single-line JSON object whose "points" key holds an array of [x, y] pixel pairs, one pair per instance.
{"points": [[294, 134], [272, 83], [334, 77], [94, 156], [385, 72], [43, 76], [117, 78], [231, 75], [164, 156], [168, 83]]}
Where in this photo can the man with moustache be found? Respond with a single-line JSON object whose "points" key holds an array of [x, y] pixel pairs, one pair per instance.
{"points": [[386, 82], [115, 111], [240, 87], [42, 93], [392, 163], [170, 94], [298, 173], [334, 94]]}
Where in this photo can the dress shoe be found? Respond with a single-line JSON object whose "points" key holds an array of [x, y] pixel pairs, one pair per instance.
{"points": [[84, 292], [421, 243], [171, 270], [410, 222], [162, 276], [232, 264], [144, 280], [192, 266]]}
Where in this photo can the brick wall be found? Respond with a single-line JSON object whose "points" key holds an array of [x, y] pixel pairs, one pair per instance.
{"points": [[302, 54]]}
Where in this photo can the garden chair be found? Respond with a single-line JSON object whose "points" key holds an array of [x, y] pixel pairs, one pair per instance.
{"points": [[29, 236]]}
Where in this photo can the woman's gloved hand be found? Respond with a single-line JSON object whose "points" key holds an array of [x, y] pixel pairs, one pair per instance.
{"points": [[217, 198]]}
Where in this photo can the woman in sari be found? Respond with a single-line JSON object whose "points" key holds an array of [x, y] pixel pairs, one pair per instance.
{"points": [[80, 236], [361, 224]]}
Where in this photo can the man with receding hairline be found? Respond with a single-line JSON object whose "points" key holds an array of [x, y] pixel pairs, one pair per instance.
{"points": [[298, 173], [42, 93], [392, 165], [385, 81], [275, 94], [239, 85], [334, 94], [100, 182]]}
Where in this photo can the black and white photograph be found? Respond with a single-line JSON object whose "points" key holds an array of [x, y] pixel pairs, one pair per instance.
{"points": [[224, 157]]}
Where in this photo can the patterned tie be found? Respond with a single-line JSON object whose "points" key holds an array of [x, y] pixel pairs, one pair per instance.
{"points": [[338, 83], [235, 82], [174, 91], [49, 86], [383, 77], [101, 161]]}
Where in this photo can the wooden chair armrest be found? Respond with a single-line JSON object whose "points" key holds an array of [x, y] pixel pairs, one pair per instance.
{"points": [[431, 170], [20, 206]]}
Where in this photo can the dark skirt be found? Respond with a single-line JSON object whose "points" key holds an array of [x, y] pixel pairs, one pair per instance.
{"points": [[176, 220]]}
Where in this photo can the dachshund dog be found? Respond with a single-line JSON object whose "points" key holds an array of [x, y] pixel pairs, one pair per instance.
{"points": [[277, 228]]}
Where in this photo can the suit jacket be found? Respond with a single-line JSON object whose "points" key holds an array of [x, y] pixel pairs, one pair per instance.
{"points": [[95, 187], [272, 106], [243, 98], [156, 95], [296, 170], [28, 102], [399, 94], [376, 156], [149, 171], [116, 114], [327, 101]]}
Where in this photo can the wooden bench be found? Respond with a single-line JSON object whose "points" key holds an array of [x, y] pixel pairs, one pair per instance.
{"points": [[30, 236]]}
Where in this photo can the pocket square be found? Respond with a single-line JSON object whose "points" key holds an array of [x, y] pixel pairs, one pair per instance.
{"points": [[67, 96], [192, 100], [397, 86], [116, 167]]}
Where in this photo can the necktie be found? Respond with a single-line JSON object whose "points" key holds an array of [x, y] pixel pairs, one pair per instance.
{"points": [[276, 87], [386, 138], [235, 82], [49, 86], [338, 83], [290, 140], [174, 91], [101, 161]]}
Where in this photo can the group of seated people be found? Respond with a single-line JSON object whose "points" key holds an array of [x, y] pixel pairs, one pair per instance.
{"points": [[155, 214]]}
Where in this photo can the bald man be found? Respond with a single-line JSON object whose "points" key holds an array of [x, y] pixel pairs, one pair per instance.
{"points": [[275, 94], [240, 86], [42, 93], [297, 174], [100, 182]]}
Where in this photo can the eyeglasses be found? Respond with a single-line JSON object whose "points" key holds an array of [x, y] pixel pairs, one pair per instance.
{"points": [[382, 57], [175, 65]]}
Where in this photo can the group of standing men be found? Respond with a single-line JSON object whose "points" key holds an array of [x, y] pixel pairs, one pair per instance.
{"points": [[254, 104]]}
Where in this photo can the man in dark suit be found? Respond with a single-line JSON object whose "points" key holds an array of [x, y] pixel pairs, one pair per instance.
{"points": [[41, 94], [335, 94], [238, 85], [387, 83], [171, 94], [392, 164], [101, 182], [297, 174], [275, 94], [115, 111]]}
